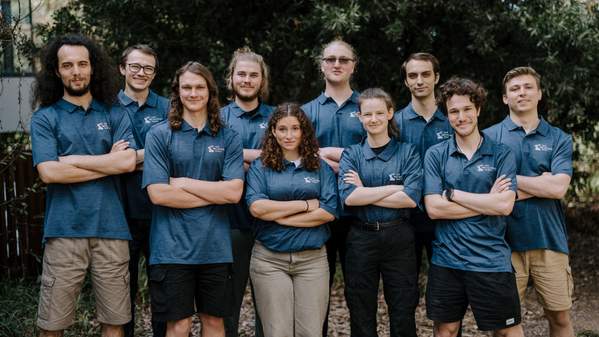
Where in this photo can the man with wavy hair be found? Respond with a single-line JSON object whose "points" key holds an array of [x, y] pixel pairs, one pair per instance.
{"points": [[78, 147]]}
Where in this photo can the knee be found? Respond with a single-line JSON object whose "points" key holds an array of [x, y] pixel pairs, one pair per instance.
{"points": [[212, 322], [559, 319], [109, 330], [180, 327], [46, 333], [446, 329]]}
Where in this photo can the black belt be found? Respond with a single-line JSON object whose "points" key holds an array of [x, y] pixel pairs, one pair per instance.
{"points": [[377, 226]]}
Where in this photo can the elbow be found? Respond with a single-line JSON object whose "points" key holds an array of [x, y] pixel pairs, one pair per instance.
{"points": [[129, 162], [328, 217], [258, 212], [156, 197], [233, 196], [505, 208], [46, 177], [432, 213], [559, 192]]}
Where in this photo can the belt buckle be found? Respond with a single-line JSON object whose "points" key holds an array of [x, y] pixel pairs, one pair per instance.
{"points": [[378, 226]]}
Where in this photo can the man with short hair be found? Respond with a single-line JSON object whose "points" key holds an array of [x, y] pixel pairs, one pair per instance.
{"points": [[469, 187], [423, 124], [248, 114], [537, 230], [78, 147], [144, 108]]}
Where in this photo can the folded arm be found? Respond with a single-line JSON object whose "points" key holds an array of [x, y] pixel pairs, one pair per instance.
{"points": [[396, 200], [486, 203], [438, 207], [547, 185], [272, 210], [170, 196], [332, 156], [120, 159], [55, 172], [312, 218], [216, 192]]}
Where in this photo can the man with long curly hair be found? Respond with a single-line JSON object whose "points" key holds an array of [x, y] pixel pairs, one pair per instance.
{"points": [[78, 147]]}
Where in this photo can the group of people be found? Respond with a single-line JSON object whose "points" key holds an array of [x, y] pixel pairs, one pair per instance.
{"points": [[277, 194]]}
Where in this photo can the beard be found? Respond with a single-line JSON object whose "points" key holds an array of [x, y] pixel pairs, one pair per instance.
{"points": [[244, 97], [76, 92]]}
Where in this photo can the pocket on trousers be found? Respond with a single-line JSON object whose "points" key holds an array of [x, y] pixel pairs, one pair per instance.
{"points": [[46, 290], [158, 293]]}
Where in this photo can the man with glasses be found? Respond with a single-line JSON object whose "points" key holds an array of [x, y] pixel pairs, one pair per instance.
{"points": [[144, 108], [334, 115]]}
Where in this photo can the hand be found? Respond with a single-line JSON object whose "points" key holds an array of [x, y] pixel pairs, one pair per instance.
{"points": [[547, 174], [501, 184], [313, 204], [178, 182], [120, 145], [352, 177]]}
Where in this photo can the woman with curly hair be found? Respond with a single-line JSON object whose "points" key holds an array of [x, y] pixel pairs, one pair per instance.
{"points": [[292, 193], [193, 166], [380, 179]]}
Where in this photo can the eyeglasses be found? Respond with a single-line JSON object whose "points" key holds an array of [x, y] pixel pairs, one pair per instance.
{"points": [[135, 67], [332, 60]]}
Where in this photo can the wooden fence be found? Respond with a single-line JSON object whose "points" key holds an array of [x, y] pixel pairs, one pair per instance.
{"points": [[21, 219]]}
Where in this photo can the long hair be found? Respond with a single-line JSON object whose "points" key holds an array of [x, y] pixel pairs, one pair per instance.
{"points": [[48, 87], [175, 114], [272, 154], [378, 93], [246, 54]]}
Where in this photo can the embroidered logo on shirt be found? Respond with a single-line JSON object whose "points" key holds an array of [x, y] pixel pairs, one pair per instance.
{"points": [[353, 114], [485, 168], [442, 134], [510, 321], [311, 180], [152, 119], [215, 148], [263, 125], [103, 126], [542, 147], [395, 177]]}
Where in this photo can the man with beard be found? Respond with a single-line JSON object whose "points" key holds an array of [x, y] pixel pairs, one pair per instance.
{"points": [[144, 108], [247, 80], [78, 148]]}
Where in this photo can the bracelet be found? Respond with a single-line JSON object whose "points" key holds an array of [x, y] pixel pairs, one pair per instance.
{"points": [[307, 206], [449, 194]]}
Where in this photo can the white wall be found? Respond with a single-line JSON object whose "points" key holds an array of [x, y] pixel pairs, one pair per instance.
{"points": [[11, 112]]}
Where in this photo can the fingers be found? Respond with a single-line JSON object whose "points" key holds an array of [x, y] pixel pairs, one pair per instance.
{"points": [[120, 145]]}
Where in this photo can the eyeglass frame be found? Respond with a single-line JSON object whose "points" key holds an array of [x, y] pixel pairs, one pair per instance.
{"points": [[153, 68], [331, 60]]}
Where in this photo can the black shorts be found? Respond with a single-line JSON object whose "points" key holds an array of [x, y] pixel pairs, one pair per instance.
{"points": [[178, 290], [493, 297]]}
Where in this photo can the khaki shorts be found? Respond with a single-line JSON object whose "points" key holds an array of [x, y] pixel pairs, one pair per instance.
{"points": [[66, 261], [551, 275]]}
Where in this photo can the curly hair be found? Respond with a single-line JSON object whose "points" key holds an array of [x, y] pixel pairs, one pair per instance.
{"points": [[246, 54], [462, 87], [48, 88], [272, 154], [175, 114], [378, 93]]}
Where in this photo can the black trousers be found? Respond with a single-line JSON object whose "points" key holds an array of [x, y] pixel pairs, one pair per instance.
{"points": [[336, 245], [242, 241], [139, 244], [389, 254], [424, 230]]}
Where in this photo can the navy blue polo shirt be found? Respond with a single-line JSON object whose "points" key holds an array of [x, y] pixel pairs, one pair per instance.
{"points": [[536, 223], [154, 110], [198, 235], [250, 128], [414, 129], [475, 243], [86, 209], [293, 183], [335, 126], [398, 164]]}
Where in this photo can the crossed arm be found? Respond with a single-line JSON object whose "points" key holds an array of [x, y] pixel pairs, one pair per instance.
{"points": [[332, 156], [294, 213], [499, 201], [80, 168], [191, 193], [389, 196], [249, 155], [546, 185]]}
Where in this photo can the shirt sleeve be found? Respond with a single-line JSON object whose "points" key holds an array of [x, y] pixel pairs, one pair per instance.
{"points": [[156, 159], [413, 174], [44, 145], [561, 161], [506, 165], [433, 179], [233, 165], [346, 163], [328, 189], [255, 183], [121, 126]]}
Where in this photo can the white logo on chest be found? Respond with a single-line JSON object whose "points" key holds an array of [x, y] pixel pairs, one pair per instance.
{"points": [[542, 147], [353, 114], [311, 180], [395, 177], [442, 134], [215, 148], [263, 125], [485, 168], [152, 119], [103, 126]]}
